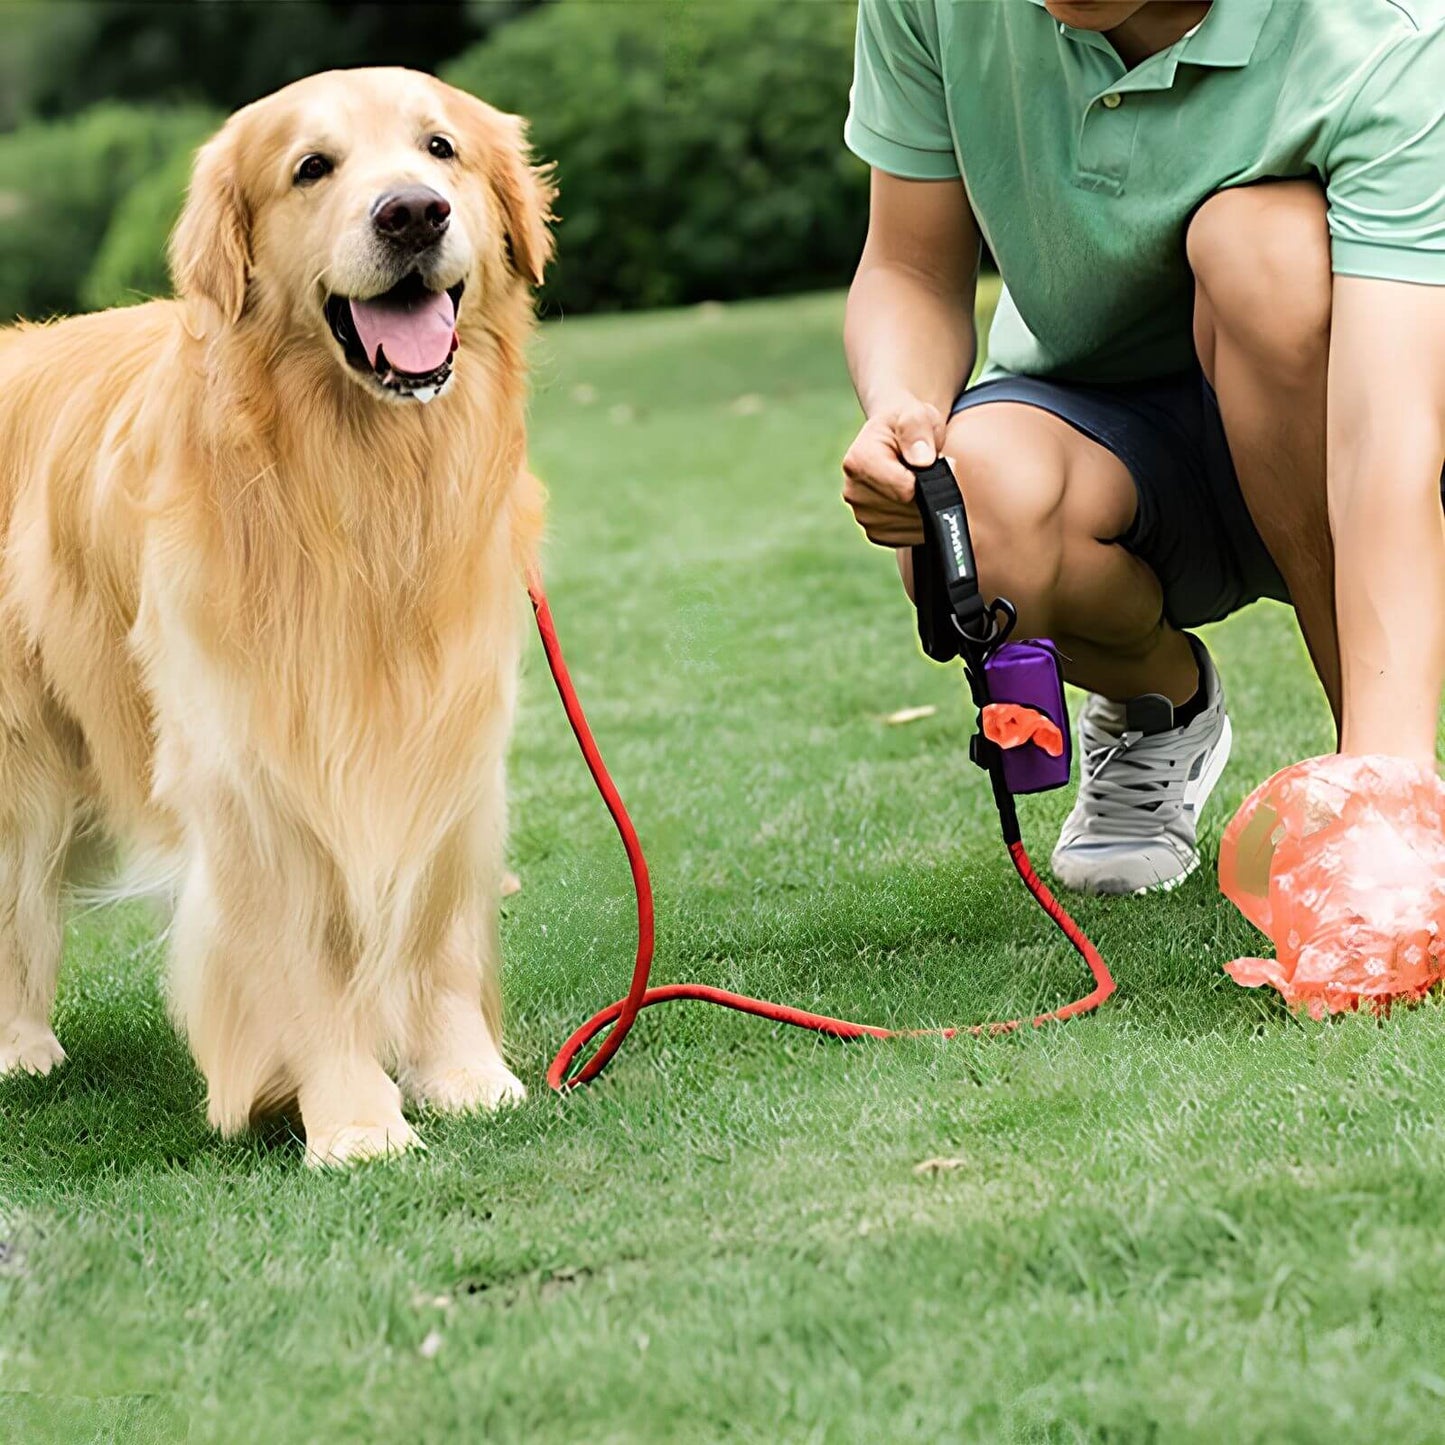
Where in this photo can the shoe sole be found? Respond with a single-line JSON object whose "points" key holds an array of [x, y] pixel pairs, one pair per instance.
{"points": [[1167, 886]]}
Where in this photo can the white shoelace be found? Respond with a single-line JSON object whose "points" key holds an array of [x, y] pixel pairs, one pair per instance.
{"points": [[1131, 786]]}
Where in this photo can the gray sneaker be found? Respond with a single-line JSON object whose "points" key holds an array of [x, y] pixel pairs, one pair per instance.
{"points": [[1143, 784]]}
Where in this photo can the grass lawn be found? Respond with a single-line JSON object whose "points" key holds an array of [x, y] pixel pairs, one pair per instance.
{"points": [[1192, 1217]]}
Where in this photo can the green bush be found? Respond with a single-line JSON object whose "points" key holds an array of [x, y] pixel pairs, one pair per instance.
{"points": [[60, 184], [59, 56], [131, 263], [698, 144]]}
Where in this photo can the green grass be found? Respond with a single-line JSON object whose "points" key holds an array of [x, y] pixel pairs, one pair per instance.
{"points": [[1190, 1218]]}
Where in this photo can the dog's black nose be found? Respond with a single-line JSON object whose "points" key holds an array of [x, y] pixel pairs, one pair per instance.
{"points": [[414, 217]]}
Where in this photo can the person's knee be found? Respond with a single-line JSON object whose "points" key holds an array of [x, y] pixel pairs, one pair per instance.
{"points": [[1261, 262], [1016, 514]]}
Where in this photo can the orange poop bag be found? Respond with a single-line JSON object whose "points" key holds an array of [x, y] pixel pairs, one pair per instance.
{"points": [[1011, 725], [1341, 861]]}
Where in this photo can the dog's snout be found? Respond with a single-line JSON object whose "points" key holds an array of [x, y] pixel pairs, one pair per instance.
{"points": [[412, 216]]}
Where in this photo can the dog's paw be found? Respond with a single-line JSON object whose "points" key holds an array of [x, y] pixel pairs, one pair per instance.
{"points": [[28, 1048], [356, 1143], [467, 1090]]}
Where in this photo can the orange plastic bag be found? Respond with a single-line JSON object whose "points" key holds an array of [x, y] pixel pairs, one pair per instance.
{"points": [[1011, 725], [1341, 861]]}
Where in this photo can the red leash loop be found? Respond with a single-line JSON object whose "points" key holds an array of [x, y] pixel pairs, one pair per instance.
{"points": [[623, 1014]]}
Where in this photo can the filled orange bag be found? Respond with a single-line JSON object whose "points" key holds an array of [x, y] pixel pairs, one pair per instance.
{"points": [[1341, 861]]}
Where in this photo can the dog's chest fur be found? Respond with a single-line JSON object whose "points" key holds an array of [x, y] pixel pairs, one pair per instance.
{"points": [[320, 625], [356, 630]]}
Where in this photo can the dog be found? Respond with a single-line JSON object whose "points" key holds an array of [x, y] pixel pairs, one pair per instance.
{"points": [[261, 606]]}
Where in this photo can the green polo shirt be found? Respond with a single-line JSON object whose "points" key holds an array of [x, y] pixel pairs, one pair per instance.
{"points": [[1084, 174]]}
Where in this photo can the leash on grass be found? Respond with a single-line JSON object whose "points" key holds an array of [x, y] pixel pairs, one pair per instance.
{"points": [[953, 622]]}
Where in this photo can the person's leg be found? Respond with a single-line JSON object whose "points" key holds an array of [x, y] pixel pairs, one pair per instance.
{"points": [[1044, 505], [1047, 500], [1261, 261]]}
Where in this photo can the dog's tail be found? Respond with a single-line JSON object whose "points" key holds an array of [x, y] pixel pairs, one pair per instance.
{"points": [[98, 875]]}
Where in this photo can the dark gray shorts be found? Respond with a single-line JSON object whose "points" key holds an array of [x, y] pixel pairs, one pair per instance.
{"points": [[1192, 527]]}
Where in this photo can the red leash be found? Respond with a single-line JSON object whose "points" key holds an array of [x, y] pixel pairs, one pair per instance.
{"points": [[623, 1014]]}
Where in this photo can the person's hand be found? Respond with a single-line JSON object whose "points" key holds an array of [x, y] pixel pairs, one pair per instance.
{"points": [[877, 485]]}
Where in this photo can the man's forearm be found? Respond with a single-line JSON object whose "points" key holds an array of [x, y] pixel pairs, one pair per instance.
{"points": [[907, 337], [1390, 598], [1387, 443]]}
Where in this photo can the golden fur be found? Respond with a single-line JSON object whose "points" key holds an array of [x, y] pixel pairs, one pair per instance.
{"points": [[262, 622]]}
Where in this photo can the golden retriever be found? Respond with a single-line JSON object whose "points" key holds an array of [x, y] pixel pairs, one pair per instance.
{"points": [[262, 601]]}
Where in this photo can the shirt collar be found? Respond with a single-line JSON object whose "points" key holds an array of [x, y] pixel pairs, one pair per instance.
{"points": [[1226, 37]]}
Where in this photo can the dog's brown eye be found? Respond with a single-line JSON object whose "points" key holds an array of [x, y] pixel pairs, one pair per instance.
{"points": [[312, 168], [441, 148]]}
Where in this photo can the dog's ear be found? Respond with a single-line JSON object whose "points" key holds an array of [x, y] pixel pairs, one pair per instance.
{"points": [[210, 247], [525, 193]]}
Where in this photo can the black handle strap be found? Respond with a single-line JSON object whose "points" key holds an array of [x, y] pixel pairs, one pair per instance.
{"points": [[945, 524], [953, 619], [951, 610]]}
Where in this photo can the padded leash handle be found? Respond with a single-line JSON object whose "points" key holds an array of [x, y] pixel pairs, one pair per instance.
{"points": [[951, 610], [953, 619]]}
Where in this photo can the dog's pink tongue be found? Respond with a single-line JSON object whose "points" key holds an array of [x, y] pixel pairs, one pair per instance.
{"points": [[416, 335]]}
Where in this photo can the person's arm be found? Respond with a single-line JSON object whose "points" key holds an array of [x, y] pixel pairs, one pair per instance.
{"points": [[910, 342], [1384, 171], [1386, 451]]}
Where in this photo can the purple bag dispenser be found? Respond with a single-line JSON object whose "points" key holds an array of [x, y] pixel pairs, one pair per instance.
{"points": [[1031, 674]]}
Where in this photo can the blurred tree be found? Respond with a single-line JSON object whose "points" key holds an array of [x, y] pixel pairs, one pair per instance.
{"points": [[131, 264], [699, 144], [60, 183], [57, 56], [32, 30]]}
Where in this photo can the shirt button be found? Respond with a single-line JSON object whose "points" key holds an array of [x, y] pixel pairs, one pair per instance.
{"points": [[1113, 100]]}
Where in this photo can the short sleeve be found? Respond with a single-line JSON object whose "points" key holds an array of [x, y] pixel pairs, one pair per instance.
{"points": [[898, 118], [1384, 169]]}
